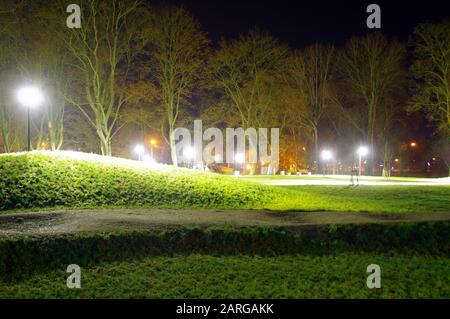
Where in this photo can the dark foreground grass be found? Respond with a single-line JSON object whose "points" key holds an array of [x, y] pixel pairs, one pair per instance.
{"points": [[321, 262], [340, 275]]}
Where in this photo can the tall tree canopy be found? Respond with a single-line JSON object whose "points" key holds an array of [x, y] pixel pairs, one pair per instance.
{"points": [[431, 71], [249, 71], [310, 74], [102, 49], [372, 68], [176, 50]]}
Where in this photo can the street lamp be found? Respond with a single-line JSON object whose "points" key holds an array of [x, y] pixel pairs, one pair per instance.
{"points": [[152, 143], [139, 150], [188, 154], [239, 159], [30, 97], [362, 151], [217, 158], [326, 155]]}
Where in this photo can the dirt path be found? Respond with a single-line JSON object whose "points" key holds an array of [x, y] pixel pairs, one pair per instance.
{"points": [[59, 222]]}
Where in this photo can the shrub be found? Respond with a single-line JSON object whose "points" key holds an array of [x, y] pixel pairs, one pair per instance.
{"points": [[23, 256]]}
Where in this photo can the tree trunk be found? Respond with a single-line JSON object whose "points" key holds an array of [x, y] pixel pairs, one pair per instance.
{"points": [[316, 148], [105, 144], [172, 145]]}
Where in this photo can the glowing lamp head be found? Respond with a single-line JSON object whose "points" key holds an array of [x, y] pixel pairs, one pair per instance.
{"points": [[217, 158], [139, 149], [326, 155], [239, 158], [30, 96], [363, 151], [188, 153], [153, 142]]}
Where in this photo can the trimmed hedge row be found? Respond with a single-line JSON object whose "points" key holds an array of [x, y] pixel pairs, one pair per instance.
{"points": [[20, 257], [44, 179]]}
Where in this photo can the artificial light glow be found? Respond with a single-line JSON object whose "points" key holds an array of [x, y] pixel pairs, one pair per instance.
{"points": [[239, 158], [139, 149], [153, 142], [326, 155], [148, 159], [30, 97], [413, 144], [396, 160], [217, 158], [188, 153], [363, 151]]}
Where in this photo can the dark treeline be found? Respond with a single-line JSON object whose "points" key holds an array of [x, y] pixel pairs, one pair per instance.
{"points": [[135, 72]]}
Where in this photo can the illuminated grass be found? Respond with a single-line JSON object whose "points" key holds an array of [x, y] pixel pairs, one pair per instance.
{"points": [[70, 179], [365, 198], [45, 180], [197, 276], [346, 178]]}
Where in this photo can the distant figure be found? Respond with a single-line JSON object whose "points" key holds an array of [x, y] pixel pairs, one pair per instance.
{"points": [[354, 172]]}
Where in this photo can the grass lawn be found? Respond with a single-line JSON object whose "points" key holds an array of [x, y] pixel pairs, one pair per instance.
{"points": [[364, 198], [340, 275], [214, 263], [270, 178], [45, 180]]}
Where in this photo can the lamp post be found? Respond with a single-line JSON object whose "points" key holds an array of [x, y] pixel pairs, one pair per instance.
{"points": [[152, 143], [326, 156], [139, 150], [240, 159], [362, 151], [189, 154], [30, 97]]}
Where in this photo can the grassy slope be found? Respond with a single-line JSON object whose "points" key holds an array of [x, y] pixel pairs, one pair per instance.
{"points": [[66, 179], [197, 276]]}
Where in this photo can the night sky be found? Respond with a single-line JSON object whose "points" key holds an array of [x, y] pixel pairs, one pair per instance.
{"points": [[300, 23]]}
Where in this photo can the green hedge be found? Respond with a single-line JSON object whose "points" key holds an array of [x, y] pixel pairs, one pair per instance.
{"points": [[19, 257], [37, 180]]}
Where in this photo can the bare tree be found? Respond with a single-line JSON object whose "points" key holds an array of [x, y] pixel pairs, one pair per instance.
{"points": [[431, 70], [249, 71], [310, 75], [101, 48], [371, 68], [176, 49], [8, 36]]}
